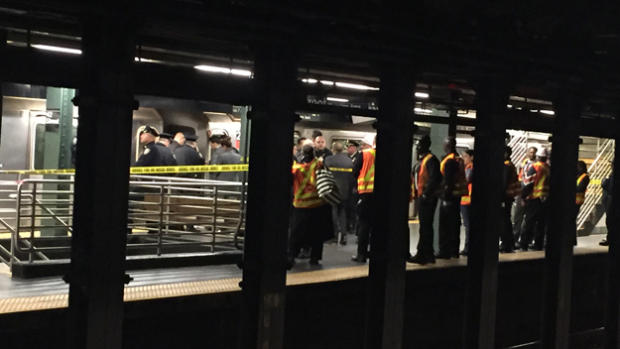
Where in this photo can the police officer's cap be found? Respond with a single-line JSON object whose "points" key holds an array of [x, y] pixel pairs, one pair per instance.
{"points": [[353, 143], [150, 129], [191, 138], [165, 135]]}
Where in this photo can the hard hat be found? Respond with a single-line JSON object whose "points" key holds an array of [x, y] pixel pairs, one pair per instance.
{"points": [[542, 153], [369, 139]]}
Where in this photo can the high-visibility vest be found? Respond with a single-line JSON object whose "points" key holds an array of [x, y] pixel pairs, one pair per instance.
{"points": [[466, 199], [366, 179], [460, 184], [513, 187], [305, 194], [581, 196], [422, 175], [541, 182]]}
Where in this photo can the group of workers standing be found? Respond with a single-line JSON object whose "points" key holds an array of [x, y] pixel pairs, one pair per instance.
{"points": [[447, 183]]}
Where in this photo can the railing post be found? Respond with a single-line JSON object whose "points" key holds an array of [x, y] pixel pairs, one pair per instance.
{"points": [[269, 201], [97, 273], [487, 197], [612, 326], [389, 239], [562, 224]]}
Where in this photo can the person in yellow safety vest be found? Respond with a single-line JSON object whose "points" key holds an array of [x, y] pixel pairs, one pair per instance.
{"points": [[468, 161], [512, 188], [364, 171], [453, 187], [535, 194], [519, 214], [427, 181], [583, 180], [311, 222]]}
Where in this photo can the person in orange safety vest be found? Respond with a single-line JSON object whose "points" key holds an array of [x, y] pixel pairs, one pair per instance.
{"points": [[364, 171], [311, 222], [453, 187], [536, 193], [468, 161], [583, 180], [427, 180]]}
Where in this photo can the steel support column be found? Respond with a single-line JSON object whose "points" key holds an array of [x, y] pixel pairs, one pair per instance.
{"points": [[105, 100], [2, 78], [487, 197], [612, 326], [562, 227], [269, 200], [390, 238]]}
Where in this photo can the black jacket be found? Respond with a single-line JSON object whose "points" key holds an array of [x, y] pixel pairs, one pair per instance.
{"points": [[187, 155], [344, 180], [156, 154]]}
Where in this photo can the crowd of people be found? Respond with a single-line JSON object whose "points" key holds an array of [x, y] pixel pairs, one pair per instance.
{"points": [[446, 184]]}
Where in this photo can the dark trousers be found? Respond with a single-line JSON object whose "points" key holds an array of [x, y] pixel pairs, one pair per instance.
{"points": [[535, 224], [427, 215], [518, 219], [449, 227], [339, 216], [366, 222], [507, 237], [351, 212], [466, 214]]}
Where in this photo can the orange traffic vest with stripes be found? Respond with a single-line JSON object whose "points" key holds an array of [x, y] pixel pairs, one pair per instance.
{"points": [[305, 194], [366, 179], [460, 185], [541, 183], [514, 186], [422, 175], [466, 199], [581, 197]]}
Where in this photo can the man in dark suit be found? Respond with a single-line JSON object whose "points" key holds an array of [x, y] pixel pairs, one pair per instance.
{"points": [[342, 168]]}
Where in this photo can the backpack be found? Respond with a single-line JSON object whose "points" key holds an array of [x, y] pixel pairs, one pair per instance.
{"points": [[326, 187]]}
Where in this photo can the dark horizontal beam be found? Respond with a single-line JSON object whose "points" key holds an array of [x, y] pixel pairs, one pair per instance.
{"points": [[30, 66]]}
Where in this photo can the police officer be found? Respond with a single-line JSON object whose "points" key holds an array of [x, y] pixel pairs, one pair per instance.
{"points": [[535, 195], [186, 154], [155, 153], [453, 187], [427, 180]]}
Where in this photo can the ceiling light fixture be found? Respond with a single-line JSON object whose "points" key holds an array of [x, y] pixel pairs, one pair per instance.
{"points": [[423, 111], [423, 95], [73, 51], [356, 86], [309, 81], [335, 99], [548, 112], [327, 82]]}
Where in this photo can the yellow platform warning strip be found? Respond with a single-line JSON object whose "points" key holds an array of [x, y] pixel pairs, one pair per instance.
{"points": [[192, 288]]}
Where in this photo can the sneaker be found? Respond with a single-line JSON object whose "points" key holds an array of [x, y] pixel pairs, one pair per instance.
{"points": [[604, 242]]}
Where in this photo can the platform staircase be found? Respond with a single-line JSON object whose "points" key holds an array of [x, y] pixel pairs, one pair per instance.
{"points": [[519, 144], [593, 209]]}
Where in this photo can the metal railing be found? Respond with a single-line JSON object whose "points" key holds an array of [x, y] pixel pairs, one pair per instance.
{"points": [[599, 169], [167, 215]]}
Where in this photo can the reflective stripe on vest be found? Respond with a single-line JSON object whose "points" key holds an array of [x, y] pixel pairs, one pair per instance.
{"points": [[541, 183], [466, 199], [442, 167], [581, 197], [422, 174], [366, 179], [304, 186], [460, 184]]}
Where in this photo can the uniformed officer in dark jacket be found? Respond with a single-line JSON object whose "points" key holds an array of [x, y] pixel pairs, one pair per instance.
{"points": [[186, 154], [356, 157], [345, 182], [155, 153]]}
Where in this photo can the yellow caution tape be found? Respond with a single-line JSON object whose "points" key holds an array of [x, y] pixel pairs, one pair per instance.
{"points": [[143, 170], [340, 169], [157, 170]]}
